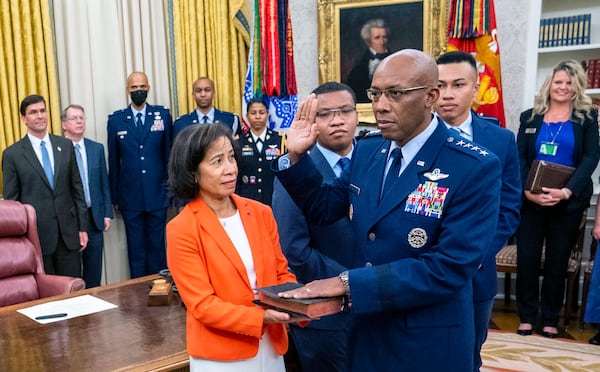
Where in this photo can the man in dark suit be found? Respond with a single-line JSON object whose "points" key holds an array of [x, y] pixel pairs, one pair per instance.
{"points": [[458, 88], [139, 142], [315, 251], [203, 92], [92, 169], [41, 170], [375, 33], [421, 217]]}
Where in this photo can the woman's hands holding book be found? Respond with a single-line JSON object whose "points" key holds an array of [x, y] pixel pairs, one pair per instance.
{"points": [[549, 196]]}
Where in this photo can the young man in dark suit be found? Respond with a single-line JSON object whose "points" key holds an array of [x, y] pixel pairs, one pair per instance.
{"points": [[41, 170], [314, 251], [92, 169], [139, 143], [458, 84], [203, 91]]}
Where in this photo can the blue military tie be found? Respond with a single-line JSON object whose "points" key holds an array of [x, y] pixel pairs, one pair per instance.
{"points": [[393, 172], [344, 164], [83, 175], [138, 122], [204, 119], [47, 165]]}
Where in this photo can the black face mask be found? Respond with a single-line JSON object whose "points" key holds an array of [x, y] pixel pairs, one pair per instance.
{"points": [[138, 97]]}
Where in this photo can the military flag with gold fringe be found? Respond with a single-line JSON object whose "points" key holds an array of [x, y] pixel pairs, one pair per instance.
{"points": [[271, 74], [472, 29]]}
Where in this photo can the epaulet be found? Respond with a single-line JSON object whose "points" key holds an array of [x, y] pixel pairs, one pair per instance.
{"points": [[467, 147], [117, 112], [374, 133], [490, 119]]}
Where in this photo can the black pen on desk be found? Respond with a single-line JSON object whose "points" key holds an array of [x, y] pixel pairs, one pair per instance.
{"points": [[51, 316]]}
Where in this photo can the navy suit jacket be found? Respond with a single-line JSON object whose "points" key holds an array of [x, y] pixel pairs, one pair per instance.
{"points": [[98, 184], [585, 154], [137, 159], [500, 141], [223, 117], [314, 251], [412, 299], [61, 210]]}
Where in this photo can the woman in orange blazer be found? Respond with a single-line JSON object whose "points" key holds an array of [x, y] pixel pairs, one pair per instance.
{"points": [[220, 247]]}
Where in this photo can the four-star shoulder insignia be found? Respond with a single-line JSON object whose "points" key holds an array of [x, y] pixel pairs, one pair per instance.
{"points": [[466, 144]]}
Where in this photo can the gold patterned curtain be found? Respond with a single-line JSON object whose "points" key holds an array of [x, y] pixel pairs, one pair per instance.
{"points": [[208, 38], [27, 67]]}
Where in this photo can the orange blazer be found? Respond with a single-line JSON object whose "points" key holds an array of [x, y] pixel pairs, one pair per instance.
{"points": [[222, 321]]}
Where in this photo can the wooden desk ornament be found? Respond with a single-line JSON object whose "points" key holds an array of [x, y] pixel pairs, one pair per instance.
{"points": [[161, 293]]}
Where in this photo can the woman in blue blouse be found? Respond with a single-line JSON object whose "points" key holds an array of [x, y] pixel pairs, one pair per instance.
{"points": [[560, 128]]}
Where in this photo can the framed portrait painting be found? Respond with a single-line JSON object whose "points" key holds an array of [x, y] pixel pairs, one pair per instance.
{"points": [[354, 35]]}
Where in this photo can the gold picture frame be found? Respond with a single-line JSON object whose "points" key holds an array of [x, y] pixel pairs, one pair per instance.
{"points": [[340, 22]]}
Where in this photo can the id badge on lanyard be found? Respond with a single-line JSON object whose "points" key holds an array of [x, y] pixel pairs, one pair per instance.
{"points": [[548, 148]]}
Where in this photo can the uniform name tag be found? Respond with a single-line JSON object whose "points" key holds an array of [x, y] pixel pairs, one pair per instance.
{"points": [[247, 151]]}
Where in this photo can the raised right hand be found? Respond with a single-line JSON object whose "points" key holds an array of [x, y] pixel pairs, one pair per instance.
{"points": [[303, 132]]}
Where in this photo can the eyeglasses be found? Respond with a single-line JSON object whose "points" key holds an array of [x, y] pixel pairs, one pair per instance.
{"points": [[393, 94], [344, 113], [74, 118]]}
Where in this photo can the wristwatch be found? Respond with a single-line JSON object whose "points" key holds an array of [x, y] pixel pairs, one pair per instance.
{"points": [[345, 281]]}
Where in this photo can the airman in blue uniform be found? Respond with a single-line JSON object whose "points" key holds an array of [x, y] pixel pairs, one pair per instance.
{"points": [[421, 240], [459, 86], [139, 142], [203, 91]]}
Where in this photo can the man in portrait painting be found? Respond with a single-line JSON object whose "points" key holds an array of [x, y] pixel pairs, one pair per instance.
{"points": [[376, 34]]}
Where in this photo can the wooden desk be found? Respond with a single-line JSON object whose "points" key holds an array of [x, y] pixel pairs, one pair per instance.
{"points": [[131, 337]]}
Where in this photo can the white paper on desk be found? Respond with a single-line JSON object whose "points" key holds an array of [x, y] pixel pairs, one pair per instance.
{"points": [[73, 307]]}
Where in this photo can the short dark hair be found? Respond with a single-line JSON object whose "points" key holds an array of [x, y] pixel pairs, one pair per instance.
{"points": [[457, 56], [30, 100], [188, 151], [334, 86], [262, 100]]}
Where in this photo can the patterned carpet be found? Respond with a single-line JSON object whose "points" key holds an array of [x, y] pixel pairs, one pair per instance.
{"points": [[509, 352]]}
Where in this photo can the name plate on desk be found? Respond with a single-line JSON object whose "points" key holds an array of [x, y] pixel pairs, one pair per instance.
{"points": [[161, 293]]}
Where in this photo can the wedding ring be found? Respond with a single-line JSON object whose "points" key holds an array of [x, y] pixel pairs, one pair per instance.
{"points": [[302, 118]]}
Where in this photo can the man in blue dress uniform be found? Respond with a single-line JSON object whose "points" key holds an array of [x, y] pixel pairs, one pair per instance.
{"points": [[458, 88], [322, 251], [203, 91], [421, 217], [139, 142]]}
